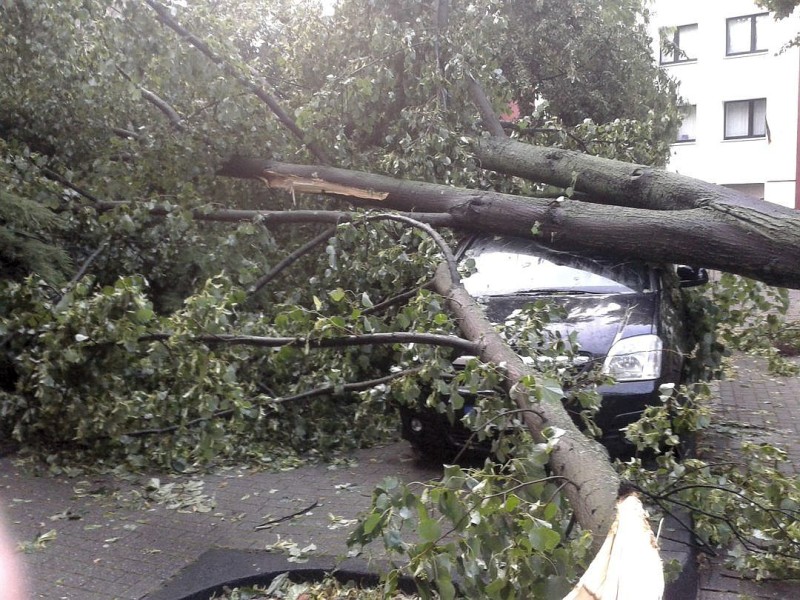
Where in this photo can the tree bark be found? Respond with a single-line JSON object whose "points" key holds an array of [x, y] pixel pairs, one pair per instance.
{"points": [[593, 483], [724, 232], [607, 181]]}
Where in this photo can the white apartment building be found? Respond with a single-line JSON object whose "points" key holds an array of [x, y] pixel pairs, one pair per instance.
{"points": [[739, 93]]}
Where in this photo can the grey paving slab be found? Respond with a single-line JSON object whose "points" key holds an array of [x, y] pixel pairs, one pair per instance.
{"points": [[118, 546], [751, 406]]}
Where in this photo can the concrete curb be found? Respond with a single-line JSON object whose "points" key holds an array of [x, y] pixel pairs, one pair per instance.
{"points": [[678, 544], [221, 567]]}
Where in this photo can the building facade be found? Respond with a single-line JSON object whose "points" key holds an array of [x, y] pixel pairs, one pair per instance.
{"points": [[739, 91]]}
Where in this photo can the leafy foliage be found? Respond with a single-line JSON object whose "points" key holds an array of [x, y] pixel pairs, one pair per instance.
{"points": [[609, 109], [116, 393], [102, 102], [749, 316], [747, 507], [781, 8], [500, 532], [28, 221], [329, 588]]}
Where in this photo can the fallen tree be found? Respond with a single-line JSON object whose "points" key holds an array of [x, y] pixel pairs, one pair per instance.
{"points": [[624, 209], [709, 221], [632, 210]]}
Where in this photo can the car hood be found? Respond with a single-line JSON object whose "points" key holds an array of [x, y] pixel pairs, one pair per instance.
{"points": [[598, 320]]}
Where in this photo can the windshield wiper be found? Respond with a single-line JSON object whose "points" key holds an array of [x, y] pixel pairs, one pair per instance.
{"points": [[556, 291]]}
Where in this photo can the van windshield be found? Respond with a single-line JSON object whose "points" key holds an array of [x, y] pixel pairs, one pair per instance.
{"points": [[504, 266]]}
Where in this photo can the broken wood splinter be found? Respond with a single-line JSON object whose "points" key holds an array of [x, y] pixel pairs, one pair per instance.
{"points": [[306, 185]]}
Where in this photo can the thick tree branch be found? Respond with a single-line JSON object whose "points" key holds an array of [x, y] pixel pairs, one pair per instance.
{"points": [[710, 234], [490, 118], [610, 181], [584, 462]]}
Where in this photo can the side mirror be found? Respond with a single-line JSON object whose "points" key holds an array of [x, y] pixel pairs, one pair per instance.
{"points": [[691, 276]]}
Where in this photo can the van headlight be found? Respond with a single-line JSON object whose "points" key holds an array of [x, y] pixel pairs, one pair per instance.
{"points": [[635, 358]]}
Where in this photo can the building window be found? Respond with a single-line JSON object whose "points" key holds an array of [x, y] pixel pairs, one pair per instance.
{"points": [[679, 44], [686, 132], [746, 119], [746, 34]]}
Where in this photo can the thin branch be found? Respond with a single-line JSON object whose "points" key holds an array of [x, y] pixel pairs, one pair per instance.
{"points": [[50, 174], [524, 484], [533, 130], [788, 513], [441, 19], [271, 522], [739, 534], [82, 271], [347, 387], [691, 470], [156, 101], [687, 527], [164, 107], [474, 434], [377, 60], [401, 297], [276, 216], [435, 235], [322, 391], [291, 259], [226, 65], [366, 339], [447, 253], [125, 133]]}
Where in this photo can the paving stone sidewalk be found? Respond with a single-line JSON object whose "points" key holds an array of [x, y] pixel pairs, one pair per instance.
{"points": [[756, 407], [111, 543]]}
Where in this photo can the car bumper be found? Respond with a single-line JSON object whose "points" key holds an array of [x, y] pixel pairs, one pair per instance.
{"points": [[624, 403]]}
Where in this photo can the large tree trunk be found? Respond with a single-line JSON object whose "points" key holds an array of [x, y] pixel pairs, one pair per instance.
{"points": [[724, 233], [609, 181]]}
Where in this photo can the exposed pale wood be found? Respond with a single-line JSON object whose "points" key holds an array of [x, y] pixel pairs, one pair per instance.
{"points": [[628, 565], [315, 185]]}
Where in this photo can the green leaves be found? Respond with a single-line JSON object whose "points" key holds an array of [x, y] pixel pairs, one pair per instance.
{"points": [[429, 530], [499, 532], [749, 510], [543, 539]]}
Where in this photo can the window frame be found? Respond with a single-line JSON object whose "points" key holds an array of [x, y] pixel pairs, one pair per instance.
{"points": [[677, 57], [694, 138], [750, 120], [753, 35]]}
